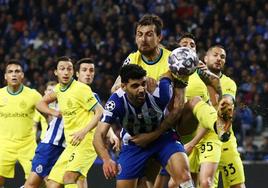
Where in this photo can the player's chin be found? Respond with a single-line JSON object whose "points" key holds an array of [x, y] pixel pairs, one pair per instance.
{"points": [[146, 51], [141, 99]]}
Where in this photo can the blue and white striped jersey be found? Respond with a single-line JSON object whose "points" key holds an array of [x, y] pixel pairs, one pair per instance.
{"points": [[55, 131], [136, 120]]}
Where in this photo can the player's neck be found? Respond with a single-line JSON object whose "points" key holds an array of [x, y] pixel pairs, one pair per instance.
{"points": [[64, 87], [14, 90], [154, 56]]}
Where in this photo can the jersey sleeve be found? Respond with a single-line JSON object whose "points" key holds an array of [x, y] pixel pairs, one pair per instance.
{"points": [[163, 93], [88, 98], [229, 88], [130, 59], [112, 110]]}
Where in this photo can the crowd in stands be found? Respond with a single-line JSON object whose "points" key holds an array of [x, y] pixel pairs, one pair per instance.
{"points": [[38, 31]]}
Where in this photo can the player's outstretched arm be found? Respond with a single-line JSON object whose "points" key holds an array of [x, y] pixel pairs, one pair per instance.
{"points": [[114, 140], [199, 135], [80, 135], [109, 166], [42, 106]]}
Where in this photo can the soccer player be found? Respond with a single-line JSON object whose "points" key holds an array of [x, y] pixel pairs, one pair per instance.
{"points": [[230, 165], [52, 146], [49, 149], [140, 112], [186, 126], [17, 108], [150, 55], [153, 58], [81, 112]]}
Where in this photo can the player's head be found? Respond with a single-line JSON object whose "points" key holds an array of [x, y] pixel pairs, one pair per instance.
{"points": [[14, 73], [148, 33], [64, 70], [85, 70], [187, 40], [215, 58], [133, 82], [50, 87]]}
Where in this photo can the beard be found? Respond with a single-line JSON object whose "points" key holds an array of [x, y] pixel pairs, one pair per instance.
{"points": [[147, 51]]}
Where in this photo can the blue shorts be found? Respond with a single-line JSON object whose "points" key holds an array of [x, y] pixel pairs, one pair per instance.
{"points": [[132, 158], [45, 157]]}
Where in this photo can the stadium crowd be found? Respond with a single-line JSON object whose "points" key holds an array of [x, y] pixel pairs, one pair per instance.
{"points": [[37, 32]]}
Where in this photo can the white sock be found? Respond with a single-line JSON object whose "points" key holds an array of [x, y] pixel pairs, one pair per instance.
{"points": [[187, 184]]}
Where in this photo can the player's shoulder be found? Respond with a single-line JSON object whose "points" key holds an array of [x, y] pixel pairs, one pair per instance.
{"points": [[29, 90], [131, 58], [227, 80]]}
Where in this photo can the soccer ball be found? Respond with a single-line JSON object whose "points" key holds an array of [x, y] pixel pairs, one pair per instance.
{"points": [[183, 61]]}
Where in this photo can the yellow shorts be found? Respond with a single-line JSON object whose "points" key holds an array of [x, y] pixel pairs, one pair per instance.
{"points": [[194, 161], [74, 158], [231, 166], [12, 151], [209, 150]]}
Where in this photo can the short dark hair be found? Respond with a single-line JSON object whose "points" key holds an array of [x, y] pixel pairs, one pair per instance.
{"points": [[186, 35], [63, 58], [81, 61], [131, 71], [151, 19], [216, 46], [14, 62]]}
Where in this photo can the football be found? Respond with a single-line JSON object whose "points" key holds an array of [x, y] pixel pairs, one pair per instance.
{"points": [[183, 61]]}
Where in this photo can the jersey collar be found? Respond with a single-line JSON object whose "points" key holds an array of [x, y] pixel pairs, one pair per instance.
{"points": [[152, 62], [65, 87], [17, 92]]}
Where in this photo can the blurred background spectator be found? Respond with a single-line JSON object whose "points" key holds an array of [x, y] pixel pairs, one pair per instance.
{"points": [[37, 32]]}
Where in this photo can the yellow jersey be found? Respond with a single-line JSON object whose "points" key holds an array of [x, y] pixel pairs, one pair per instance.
{"points": [[76, 102], [228, 88], [155, 68], [17, 112], [196, 87], [39, 118]]}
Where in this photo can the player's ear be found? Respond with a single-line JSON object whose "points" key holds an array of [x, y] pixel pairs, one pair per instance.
{"points": [[5, 76], [77, 74], [55, 72], [205, 59], [123, 86]]}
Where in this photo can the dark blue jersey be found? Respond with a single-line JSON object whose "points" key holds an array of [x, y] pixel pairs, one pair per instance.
{"points": [[143, 119]]}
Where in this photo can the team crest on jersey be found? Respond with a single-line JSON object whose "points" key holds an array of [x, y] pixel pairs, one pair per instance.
{"points": [[23, 104], [39, 169], [3, 102], [110, 105], [127, 61], [69, 103]]}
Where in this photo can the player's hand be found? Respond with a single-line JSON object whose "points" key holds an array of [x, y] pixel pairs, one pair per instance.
{"points": [[151, 84], [78, 137], [114, 140], [115, 87], [201, 65], [109, 168], [144, 139], [189, 148]]}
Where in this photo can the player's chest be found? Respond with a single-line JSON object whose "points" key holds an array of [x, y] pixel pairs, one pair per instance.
{"points": [[16, 103]]}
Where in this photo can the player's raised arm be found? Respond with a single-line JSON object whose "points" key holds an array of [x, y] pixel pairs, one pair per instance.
{"points": [[42, 106]]}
